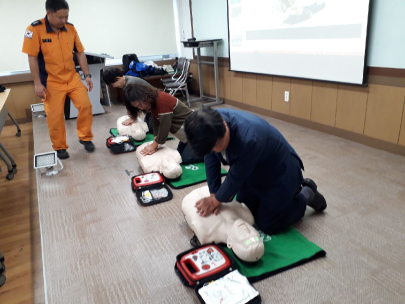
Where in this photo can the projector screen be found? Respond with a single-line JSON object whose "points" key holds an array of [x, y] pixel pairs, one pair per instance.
{"points": [[322, 40]]}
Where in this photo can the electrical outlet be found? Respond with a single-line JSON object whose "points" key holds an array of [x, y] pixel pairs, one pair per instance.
{"points": [[286, 96]]}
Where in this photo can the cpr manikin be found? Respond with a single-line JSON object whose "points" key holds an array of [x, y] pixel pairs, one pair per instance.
{"points": [[137, 130], [165, 160], [232, 225]]}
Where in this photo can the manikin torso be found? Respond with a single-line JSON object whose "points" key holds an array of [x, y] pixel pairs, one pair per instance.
{"points": [[165, 160], [232, 225]]}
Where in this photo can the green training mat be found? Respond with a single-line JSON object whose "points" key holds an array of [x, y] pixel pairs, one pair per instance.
{"points": [[282, 251], [149, 137], [192, 174]]}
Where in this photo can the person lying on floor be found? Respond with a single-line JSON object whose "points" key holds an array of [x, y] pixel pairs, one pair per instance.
{"points": [[117, 79], [168, 113], [232, 226], [265, 172]]}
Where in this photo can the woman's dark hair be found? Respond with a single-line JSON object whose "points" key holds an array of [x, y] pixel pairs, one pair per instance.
{"points": [[203, 130], [139, 92], [110, 75], [55, 5]]}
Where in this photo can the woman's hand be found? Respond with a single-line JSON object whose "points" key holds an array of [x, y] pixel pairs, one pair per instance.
{"points": [[150, 149], [208, 205], [128, 122]]}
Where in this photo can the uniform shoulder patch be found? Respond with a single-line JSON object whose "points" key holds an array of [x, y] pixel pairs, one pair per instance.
{"points": [[37, 22], [28, 34]]}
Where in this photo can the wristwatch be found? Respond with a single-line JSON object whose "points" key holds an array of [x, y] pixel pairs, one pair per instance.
{"points": [[87, 75]]}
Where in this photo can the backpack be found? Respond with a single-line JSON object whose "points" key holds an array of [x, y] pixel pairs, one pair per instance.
{"points": [[140, 69], [127, 59]]}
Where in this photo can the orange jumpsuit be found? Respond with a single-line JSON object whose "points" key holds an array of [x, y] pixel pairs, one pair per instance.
{"points": [[58, 75]]}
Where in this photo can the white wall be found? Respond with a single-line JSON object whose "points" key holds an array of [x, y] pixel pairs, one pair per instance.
{"points": [[144, 27], [387, 34], [210, 21], [183, 26]]}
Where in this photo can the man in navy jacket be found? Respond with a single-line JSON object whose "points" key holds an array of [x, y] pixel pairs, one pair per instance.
{"points": [[265, 171]]}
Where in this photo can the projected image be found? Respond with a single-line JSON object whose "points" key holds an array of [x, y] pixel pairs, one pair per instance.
{"points": [[236, 12], [315, 39], [236, 40], [298, 11]]}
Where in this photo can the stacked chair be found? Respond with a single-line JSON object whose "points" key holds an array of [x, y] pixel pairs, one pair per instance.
{"points": [[178, 83]]}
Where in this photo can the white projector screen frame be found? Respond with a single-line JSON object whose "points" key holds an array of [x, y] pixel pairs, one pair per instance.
{"points": [[311, 39]]}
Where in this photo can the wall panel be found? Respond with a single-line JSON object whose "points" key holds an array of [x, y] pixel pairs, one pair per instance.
{"points": [[301, 98], [280, 85], [224, 83], [264, 91], [249, 89], [402, 132], [351, 108], [324, 96], [236, 86], [384, 112]]}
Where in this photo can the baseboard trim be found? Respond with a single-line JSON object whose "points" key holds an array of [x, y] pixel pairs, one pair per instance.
{"points": [[355, 137]]}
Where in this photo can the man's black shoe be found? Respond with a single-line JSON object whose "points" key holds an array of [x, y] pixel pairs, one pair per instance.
{"points": [[62, 154], [88, 145], [319, 202]]}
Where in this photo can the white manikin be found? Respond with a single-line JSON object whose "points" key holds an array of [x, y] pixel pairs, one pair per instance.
{"points": [[165, 160], [137, 130], [233, 226]]}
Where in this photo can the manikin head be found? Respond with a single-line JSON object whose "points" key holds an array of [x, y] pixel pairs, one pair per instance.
{"points": [[137, 130], [170, 168], [245, 241]]}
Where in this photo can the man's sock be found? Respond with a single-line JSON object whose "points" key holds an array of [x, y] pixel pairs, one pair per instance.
{"points": [[308, 194]]}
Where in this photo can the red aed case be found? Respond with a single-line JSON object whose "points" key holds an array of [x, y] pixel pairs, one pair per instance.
{"points": [[147, 179], [206, 262], [150, 188], [199, 266]]}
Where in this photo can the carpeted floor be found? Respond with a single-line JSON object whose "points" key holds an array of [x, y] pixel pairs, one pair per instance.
{"points": [[101, 246]]}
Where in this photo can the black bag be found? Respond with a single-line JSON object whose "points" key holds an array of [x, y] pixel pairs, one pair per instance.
{"points": [[126, 145], [127, 59], [158, 71], [150, 188]]}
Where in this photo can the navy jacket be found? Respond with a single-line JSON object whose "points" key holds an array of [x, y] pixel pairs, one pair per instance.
{"points": [[258, 155]]}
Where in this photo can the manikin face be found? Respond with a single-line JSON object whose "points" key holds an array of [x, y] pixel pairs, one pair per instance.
{"points": [[170, 168], [119, 83], [58, 19], [245, 241]]}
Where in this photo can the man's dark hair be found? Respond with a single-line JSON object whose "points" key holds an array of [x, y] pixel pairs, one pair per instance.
{"points": [[203, 130], [110, 75], [55, 5], [139, 92]]}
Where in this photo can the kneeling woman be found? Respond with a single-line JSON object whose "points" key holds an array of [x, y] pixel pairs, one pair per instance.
{"points": [[168, 113]]}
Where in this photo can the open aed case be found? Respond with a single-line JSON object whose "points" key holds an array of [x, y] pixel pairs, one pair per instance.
{"points": [[150, 188], [200, 266], [120, 144]]}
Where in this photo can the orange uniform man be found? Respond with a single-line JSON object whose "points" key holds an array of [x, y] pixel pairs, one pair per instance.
{"points": [[49, 44]]}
